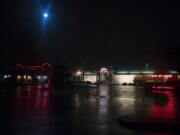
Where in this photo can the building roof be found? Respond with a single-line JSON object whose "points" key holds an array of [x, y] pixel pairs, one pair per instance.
{"points": [[144, 72], [46, 67]]}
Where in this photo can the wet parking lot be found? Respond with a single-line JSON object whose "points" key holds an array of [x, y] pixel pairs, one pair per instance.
{"points": [[104, 110]]}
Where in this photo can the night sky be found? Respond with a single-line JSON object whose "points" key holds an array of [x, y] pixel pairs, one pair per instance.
{"points": [[123, 34]]}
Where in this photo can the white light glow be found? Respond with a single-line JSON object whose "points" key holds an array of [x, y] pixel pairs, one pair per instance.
{"points": [[19, 77], [38, 77], [120, 79], [104, 70], [9, 76], [90, 78], [45, 15], [45, 77]]}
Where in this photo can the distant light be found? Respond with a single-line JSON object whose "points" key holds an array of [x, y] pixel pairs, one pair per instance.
{"points": [[45, 77], [38, 77], [5, 76], [45, 15], [120, 79], [9, 76], [173, 72], [122, 72], [24, 77], [161, 76], [148, 72], [19, 77], [29, 78], [78, 73], [103, 70], [135, 72]]}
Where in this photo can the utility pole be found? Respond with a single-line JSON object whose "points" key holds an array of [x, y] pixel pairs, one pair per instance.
{"points": [[147, 65]]}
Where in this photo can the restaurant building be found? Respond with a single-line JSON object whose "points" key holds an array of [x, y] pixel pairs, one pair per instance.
{"points": [[125, 77]]}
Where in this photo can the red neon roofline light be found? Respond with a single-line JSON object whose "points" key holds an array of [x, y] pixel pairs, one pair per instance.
{"points": [[161, 76], [21, 66], [46, 64]]}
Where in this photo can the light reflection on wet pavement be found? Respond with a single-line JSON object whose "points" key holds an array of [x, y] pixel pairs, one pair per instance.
{"points": [[31, 110]]}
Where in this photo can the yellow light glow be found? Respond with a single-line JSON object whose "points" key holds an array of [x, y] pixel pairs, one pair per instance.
{"points": [[78, 73], [29, 78]]}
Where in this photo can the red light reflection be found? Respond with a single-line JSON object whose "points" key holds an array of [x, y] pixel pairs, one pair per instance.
{"points": [[163, 87], [165, 111], [32, 99]]}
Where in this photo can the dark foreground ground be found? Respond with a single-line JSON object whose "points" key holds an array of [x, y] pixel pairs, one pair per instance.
{"points": [[107, 110]]}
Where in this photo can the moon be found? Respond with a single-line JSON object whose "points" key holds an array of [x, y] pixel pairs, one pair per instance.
{"points": [[45, 15]]}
